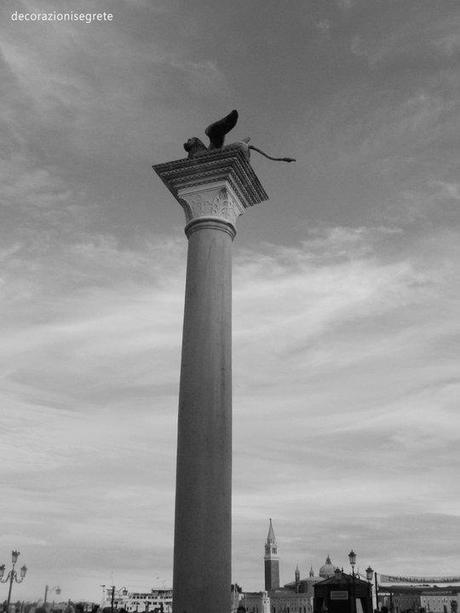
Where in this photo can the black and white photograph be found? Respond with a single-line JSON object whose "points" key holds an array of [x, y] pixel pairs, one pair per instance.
{"points": [[230, 306]]}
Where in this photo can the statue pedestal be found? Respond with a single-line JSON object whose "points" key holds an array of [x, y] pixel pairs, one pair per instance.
{"points": [[213, 189]]}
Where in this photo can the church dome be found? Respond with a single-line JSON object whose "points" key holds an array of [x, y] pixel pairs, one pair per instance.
{"points": [[327, 570]]}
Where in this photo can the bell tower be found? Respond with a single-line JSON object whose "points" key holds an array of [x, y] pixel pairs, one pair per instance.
{"points": [[271, 561]]}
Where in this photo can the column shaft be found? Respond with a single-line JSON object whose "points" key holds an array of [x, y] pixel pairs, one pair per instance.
{"points": [[202, 548]]}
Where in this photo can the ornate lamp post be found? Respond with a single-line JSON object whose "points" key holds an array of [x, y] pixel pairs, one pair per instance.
{"points": [[121, 592], [112, 598], [352, 558], [376, 591], [12, 575], [56, 589], [369, 577]]}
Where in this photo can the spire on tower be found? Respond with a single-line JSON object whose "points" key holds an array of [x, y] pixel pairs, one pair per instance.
{"points": [[271, 534], [297, 578], [271, 546]]}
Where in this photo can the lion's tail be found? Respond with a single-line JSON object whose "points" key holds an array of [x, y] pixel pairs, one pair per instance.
{"points": [[270, 157]]}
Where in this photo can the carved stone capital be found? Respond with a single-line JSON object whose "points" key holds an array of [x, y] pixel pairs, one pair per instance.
{"points": [[218, 186], [217, 201]]}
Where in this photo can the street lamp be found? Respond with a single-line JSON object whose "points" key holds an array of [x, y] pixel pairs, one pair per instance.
{"points": [[376, 592], [352, 558], [369, 577], [12, 575], [121, 592], [112, 598], [56, 589]]}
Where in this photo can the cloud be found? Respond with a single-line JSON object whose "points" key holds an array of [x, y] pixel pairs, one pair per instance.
{"points": [[346, 4], [204, 76], [331, 383], [447, 189], [345, 373], [83, 96], [323, 26], [28, 187], [422, 37], [346, 408]]}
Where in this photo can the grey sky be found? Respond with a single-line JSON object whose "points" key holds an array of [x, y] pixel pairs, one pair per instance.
{"points": [[346, 292]]}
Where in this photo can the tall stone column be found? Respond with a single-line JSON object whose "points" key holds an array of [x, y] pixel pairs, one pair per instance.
{"points": [[213, 189]]}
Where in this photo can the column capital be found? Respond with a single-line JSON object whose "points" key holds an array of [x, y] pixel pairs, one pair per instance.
{"points": [[210, 202], [218, 184]]}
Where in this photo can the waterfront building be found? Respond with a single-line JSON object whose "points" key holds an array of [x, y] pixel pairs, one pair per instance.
{"points": [[154, 601]]}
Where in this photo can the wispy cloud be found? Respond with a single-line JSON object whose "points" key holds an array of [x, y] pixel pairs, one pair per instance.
{"points": [[345, 298], [316, 340], [422, 36]]}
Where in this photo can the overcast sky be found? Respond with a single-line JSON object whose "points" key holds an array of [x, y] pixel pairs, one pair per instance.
{"points": [[346, 286]]}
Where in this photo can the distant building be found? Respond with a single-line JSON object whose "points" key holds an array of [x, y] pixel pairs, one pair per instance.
{"points": [[342, 593], [439, 600], [427, 594], [256, 602], [424, 598], [155, 601], [294, 597], [406, 594]]}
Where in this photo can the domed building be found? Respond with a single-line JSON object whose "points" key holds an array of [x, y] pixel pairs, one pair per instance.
{"points": [[308, 594], [295, 596], [327, 570]]}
